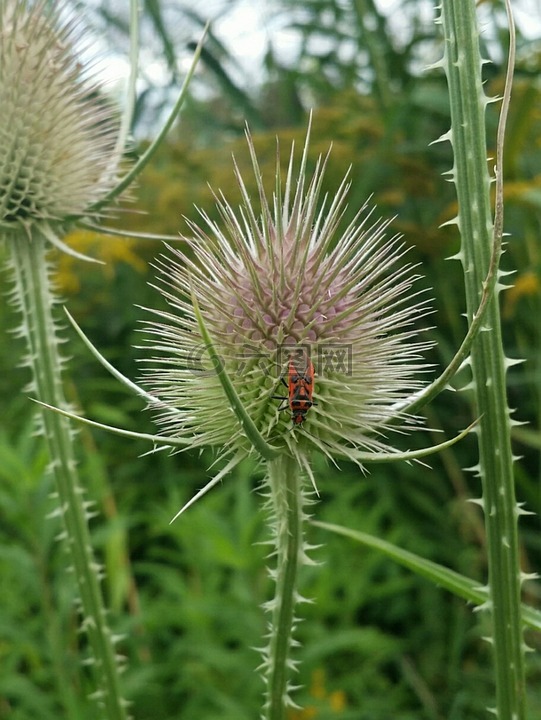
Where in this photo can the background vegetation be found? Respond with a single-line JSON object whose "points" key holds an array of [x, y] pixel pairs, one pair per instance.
{"points": [[378, 642]]}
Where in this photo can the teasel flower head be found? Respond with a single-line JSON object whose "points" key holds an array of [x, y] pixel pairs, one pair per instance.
{"points": [[57, 134], [282, 283]]}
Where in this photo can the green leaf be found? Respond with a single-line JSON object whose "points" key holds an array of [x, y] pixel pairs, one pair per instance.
{"points": [[456, 583]]}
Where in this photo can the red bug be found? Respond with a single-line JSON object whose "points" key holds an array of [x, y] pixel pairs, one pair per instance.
{"points": [[300, 388]]}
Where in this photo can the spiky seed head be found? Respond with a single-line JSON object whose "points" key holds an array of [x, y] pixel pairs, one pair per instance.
{"points": [[279, 282], [57, 135]]}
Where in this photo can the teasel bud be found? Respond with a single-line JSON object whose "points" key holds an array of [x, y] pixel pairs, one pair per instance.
{"points": [[282, 288], [57, 133]]}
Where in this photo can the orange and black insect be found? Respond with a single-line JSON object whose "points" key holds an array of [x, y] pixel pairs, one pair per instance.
{"points": [[300, 388]]}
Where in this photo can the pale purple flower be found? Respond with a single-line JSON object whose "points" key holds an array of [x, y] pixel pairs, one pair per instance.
{"points": [[279, 280]]}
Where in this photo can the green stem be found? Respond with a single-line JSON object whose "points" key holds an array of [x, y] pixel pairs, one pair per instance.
{"points": [[463, 68], [33, 294], [145, 158], [286, 502]]}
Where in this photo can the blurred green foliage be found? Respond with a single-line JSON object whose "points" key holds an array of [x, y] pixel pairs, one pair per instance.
{"points": [[377, 642]]}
